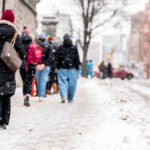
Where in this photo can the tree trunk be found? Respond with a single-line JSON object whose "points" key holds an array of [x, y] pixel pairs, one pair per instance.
{"points": [[84, 63]]}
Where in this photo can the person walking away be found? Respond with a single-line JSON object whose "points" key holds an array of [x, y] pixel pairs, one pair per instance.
{"points": [[102, 69], [7, 77], [109, 70], [43, 68], [68, 63], [91, 71], [27, 71], [87, 68], [53, 80]]}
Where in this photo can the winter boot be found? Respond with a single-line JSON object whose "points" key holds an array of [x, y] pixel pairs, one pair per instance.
{"points": [[26, 101], [49, 92], [55, 87], [63, 101]]}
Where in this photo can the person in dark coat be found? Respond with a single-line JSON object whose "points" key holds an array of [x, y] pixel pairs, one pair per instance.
{"points": [[68, 63], [7, 77], [102, 69], [43, 68], [53, 81], [109, 70], [27, 75]]}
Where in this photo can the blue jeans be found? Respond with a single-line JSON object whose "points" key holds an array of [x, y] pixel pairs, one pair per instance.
{"points": [[67, 80], [41, 80]]}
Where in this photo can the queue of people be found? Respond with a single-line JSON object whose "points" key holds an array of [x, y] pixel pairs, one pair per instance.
{"points": [[50, 65]]}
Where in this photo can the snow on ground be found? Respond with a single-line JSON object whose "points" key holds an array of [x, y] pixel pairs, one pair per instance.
{"points": [[106, 115]]}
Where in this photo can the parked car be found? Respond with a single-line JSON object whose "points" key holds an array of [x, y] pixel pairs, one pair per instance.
{"points": [[122, 74]]}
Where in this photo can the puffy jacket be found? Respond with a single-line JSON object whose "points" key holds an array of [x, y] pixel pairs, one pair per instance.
{"points": [[26, 41], [47, 58], [67, 56], [7, 77]]}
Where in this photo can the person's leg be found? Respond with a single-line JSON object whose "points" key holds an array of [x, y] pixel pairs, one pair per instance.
{"points": [[63, 83], [55, 84], [49, 84], [43, 81], [29, 79], [23, 77], [6, 109], [38, 76], [28, 86], [73, 75]]}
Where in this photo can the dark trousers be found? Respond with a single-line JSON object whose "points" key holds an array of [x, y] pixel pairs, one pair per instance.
{"points": [[53, 79], [5, 109], [27, 78]]}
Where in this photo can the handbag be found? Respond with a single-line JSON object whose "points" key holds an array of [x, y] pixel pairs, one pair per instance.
{"points": [[10, 56]]}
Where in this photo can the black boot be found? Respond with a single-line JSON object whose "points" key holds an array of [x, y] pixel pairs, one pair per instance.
{"points": [[26, 101]]}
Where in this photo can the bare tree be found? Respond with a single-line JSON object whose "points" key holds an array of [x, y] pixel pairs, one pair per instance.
{"points": [[95, 14]]}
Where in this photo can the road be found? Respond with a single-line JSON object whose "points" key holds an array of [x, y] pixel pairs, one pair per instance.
{"points": [[106, 115]]}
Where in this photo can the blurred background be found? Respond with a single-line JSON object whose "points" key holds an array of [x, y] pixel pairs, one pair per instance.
{"points": [[113, 31]]}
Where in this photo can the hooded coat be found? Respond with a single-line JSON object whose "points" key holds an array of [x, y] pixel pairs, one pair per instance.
{"points": [[7, 77], [26, 41], [47, 58], [67, 56]]}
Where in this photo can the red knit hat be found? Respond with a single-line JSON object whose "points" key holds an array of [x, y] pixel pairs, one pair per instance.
{"points": [[25, 31], [8, 15]]}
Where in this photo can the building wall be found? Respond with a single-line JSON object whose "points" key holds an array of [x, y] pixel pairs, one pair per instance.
{"points": [[23, 15], [136, 37]]}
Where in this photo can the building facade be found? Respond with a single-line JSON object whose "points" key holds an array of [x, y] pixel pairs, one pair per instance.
{"points": [[139, 44], [25, 14]]}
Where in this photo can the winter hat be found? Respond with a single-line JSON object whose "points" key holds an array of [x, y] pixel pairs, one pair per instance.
{"points": [[25, 31], [42, 36], [8, 15], [66, 36], [50, 38]]}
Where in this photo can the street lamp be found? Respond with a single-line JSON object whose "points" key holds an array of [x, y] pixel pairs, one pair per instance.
{"points": [[3, 5]]}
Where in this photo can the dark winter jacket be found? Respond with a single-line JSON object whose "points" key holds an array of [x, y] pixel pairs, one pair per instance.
{"points": [[109, 68], [67, 56], [7, 77], [26, 41], [47, 53], [54, 63], [102, 67]]}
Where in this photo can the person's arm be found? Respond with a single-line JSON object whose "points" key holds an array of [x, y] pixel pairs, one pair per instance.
{"points": [[77, 59], [19, 48], [47, 56], [57, 58]]}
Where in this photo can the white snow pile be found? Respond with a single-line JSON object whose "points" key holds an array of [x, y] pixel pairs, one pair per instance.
{"points": [[106, 115]]}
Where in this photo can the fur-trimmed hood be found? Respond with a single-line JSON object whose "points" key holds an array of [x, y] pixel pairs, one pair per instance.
{"points": [[8, 23], [7, 30]]}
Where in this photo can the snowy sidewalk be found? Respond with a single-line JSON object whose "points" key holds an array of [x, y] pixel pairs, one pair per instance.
{"points": [[106, 115]]}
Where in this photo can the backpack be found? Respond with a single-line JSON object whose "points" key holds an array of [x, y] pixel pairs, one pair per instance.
{"points": [[34, 54]]}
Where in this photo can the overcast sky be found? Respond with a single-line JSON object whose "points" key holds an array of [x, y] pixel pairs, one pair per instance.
{"points": [[64, 6]]}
